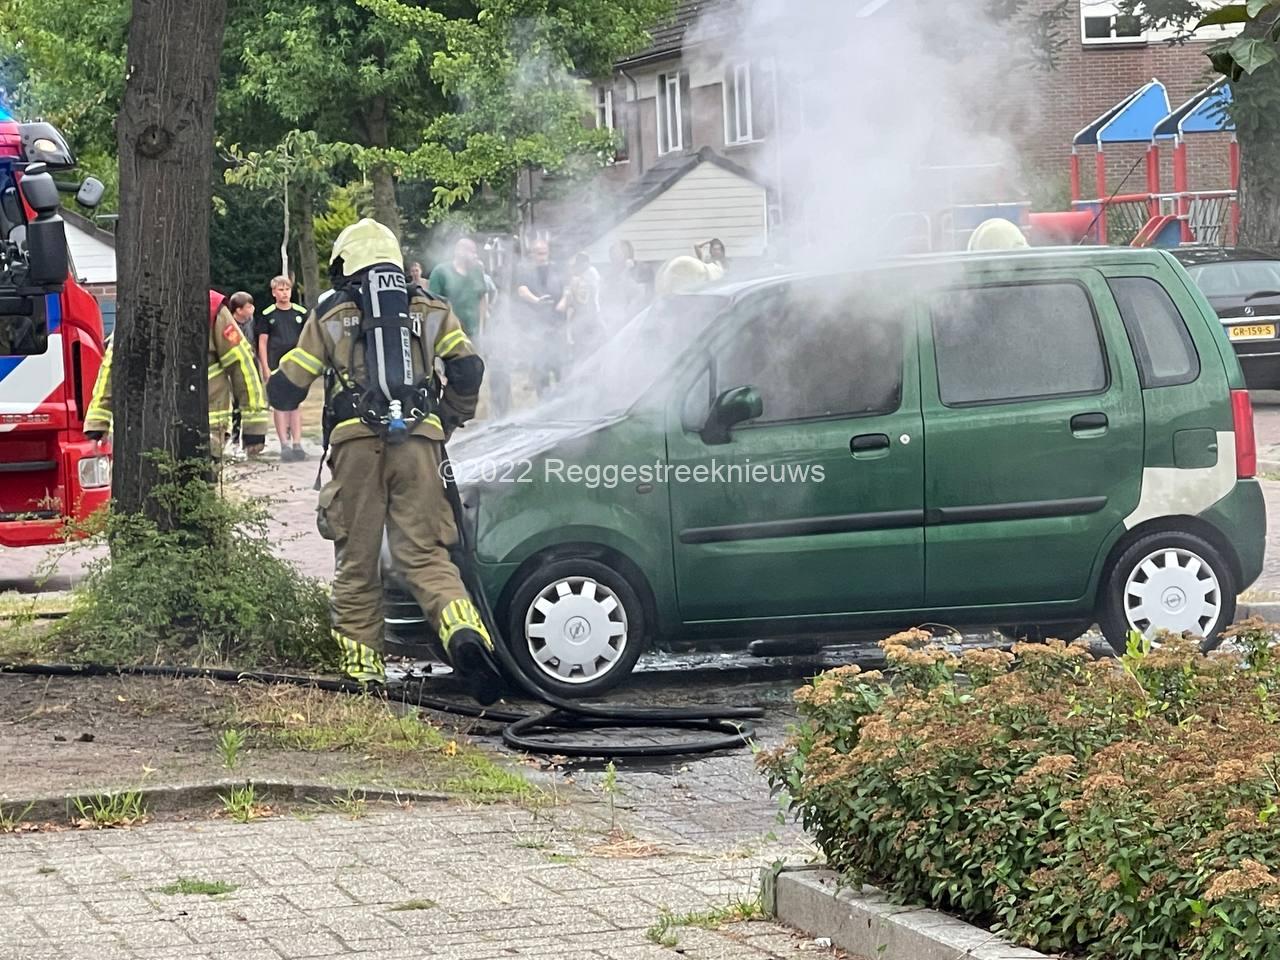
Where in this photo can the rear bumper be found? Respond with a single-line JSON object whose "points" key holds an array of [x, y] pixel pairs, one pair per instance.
{"points": [[31, 533], [1241, 516]]}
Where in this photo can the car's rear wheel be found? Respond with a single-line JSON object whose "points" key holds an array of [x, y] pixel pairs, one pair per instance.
{"points": [[1174, 582], [576, 627]]}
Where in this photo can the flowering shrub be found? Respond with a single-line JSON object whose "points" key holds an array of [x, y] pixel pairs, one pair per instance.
{"points": [[1101, 808]]}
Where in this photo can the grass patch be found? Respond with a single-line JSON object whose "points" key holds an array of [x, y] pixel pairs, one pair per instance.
{"points": [[304, 718], [10, 822], [111, 809], [230, 743], [563, 857], [186, 886], [665, 931], [242, 804], [414, 905], [46, 870], [352, 805]]}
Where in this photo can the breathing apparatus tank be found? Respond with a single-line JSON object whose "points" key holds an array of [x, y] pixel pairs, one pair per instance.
{"points": [[368, 263]]}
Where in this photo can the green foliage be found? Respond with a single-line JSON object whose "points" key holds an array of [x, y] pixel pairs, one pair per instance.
{"points": [[1086, 807], [241, 804], [111, 809], [230, 743], [209, 591], [665, 931], [191, 887], [413, 905], [11, 822]]}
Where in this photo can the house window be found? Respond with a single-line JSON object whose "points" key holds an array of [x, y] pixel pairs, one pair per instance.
{"points": [[737, 104], [670, 114], [1101, 21], [604, 108]]}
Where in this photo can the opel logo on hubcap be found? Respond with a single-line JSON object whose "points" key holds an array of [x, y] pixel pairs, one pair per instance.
{"points": [[1174, 599], [577, 629]]}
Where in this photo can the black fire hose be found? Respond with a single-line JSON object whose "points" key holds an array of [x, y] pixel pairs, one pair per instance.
{"points": [[726, 723]]}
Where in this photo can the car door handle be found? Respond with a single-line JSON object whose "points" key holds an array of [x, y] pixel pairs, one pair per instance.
{"points": [[1088, 422], [869, 446]]}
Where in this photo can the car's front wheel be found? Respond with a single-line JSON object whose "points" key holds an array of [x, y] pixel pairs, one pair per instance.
{"points": [[576, 627], [1175, 582]]}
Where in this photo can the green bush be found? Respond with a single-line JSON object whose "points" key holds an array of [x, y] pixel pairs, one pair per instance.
{"points": [[1097, 808], [208, 591]]}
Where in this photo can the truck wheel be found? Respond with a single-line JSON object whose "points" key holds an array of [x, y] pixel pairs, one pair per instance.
{"points": [[1168, 581], [576, 627], [1038, 633]]}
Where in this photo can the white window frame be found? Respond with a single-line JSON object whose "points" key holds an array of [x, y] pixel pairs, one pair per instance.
{"points": [[738, 119], [670, 140], [1110, 8], [604, 108]]}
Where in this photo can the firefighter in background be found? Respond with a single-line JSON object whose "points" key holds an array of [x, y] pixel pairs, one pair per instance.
{"points": [[232, 373], [377, 337]]}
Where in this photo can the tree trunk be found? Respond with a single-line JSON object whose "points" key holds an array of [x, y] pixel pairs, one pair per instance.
{"points": [[1257, 120], [385, 210], [165, 137], [307, 252]]}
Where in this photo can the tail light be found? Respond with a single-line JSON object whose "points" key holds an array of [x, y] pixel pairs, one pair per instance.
{"points": [[1246, 445]]}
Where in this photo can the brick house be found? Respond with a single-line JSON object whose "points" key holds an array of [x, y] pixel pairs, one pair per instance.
{"points": [[686, 108], [93, 259]]}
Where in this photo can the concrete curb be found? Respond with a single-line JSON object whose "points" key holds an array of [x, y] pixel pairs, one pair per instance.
{"points": [[1268, 610], [61, 808], [865, 923]]}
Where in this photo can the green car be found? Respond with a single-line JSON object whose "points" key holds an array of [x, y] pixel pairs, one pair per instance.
{"points": [[1036, 440]]}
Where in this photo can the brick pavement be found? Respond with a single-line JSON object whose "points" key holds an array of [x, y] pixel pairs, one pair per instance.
{"points": [[504, 882]]}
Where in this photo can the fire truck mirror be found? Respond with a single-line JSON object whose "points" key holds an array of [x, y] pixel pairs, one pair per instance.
{"points": [[90, 192], [47, 252], [40, 190], [24, 328]]}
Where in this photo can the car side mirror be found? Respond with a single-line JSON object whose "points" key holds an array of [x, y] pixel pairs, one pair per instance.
{"points": [[46, 238], [732, 407], [90, 193]]}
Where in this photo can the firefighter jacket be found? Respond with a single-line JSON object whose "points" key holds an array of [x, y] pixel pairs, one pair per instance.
{"points": [[331, 342], [232, 373]]}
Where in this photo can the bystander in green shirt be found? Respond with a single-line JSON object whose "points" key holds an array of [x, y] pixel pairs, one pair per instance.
{"points": [[464, 291]]}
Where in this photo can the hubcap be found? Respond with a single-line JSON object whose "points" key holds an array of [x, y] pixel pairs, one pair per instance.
{"points": [[1172, 589], [576, 629]]}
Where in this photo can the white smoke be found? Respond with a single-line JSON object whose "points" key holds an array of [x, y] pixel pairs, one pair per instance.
{"points": [[886, 110]]}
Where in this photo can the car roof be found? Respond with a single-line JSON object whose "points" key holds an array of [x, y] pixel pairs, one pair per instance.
{"points": [[1025, 258], [1193, 256]]}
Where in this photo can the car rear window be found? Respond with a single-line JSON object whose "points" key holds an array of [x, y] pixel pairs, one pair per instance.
{"points": [[1161, 343], [1236, 278], [1008, 342]]}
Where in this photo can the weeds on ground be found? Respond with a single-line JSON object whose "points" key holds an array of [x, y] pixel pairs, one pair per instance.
{"points": [[665, 930], [242, 805], [110, 809], [413, 905], [351, 805], [610, 787], [46, 870], [203, 588], [230, 743], [11, 822], [187, 886]]}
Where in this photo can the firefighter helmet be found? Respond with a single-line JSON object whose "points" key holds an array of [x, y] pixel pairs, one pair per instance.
{"points": [[997, 234], [361, 245]]}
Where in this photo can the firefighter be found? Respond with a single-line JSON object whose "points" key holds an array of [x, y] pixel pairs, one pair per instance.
{"points": [[376, 338], [232, 373]]}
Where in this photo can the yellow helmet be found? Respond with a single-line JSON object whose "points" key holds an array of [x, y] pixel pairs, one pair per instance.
{"points": [[997, 234], [685, 273], [363, 244]]}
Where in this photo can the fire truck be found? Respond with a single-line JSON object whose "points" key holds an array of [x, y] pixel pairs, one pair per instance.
{"points": [[51, 345]]}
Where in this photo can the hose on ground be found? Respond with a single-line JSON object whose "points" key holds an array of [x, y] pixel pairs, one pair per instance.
{"points": [[520, 727]]}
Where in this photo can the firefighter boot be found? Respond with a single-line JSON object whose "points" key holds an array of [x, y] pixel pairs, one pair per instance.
{"points": [[472, 657], [361, 663]]}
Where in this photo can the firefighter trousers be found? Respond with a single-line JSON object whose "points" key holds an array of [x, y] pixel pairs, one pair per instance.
{"points": [[397, 486]]}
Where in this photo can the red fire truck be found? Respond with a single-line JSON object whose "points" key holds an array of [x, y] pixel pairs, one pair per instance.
{"points": [[51, 346]]}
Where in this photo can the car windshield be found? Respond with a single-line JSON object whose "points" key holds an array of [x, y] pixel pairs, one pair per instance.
{"points": [[609, 381], [1236, 278]]}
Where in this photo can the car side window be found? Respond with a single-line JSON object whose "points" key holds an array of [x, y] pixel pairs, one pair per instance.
{"points": [[1017, 341], [819, 353], [1161, 343]]}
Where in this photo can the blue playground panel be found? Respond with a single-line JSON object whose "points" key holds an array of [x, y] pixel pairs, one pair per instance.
{"points": [[1129, 121]]}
